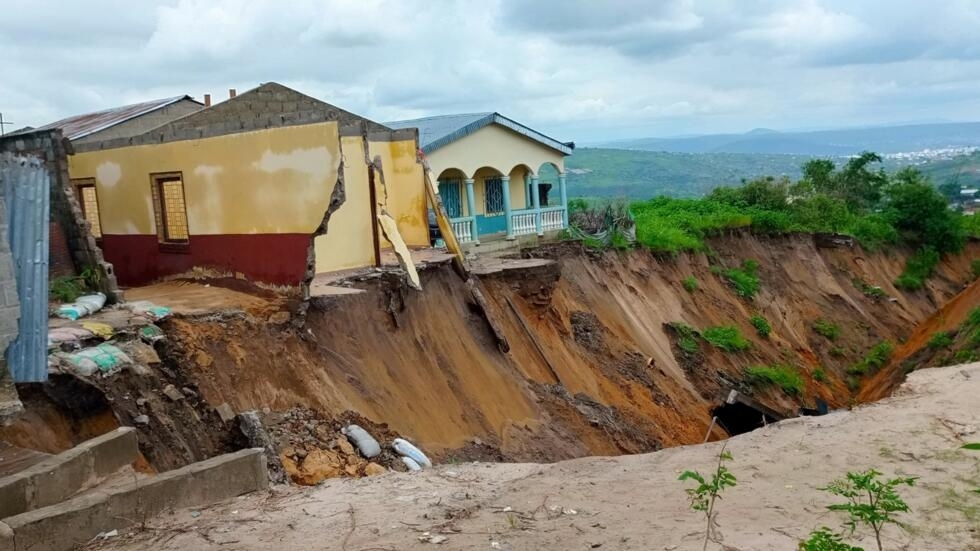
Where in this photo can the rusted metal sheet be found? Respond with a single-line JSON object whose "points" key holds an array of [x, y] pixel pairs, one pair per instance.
{"points": [[80, 126], [24, 183]]}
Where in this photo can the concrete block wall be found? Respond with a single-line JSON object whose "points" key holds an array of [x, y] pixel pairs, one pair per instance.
{"points": [[271, 105], [9, 317], [51, 147]]}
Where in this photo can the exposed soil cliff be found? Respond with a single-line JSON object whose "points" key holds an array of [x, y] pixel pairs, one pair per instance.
{"points": [[592, 368]]}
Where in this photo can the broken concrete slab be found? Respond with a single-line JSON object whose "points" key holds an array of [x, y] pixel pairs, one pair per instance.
{"points": [[64, 525], [225, 412], [59, 477]]}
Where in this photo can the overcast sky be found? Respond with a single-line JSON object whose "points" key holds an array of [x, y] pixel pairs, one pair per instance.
{"points": [[583, 70]]}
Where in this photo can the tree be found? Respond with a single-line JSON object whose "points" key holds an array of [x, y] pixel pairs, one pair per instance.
{"points": [[921, 213], [818, 177], [870, 501], [858, 185]]}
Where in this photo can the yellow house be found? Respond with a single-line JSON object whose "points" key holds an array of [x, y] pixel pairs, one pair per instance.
{"points": [[490, 171], [271, 184]]}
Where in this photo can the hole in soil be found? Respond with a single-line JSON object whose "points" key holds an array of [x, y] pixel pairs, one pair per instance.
{"points": [[738, 418]]}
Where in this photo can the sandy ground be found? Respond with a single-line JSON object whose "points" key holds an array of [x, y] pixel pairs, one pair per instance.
{"points": [[634, 502]]}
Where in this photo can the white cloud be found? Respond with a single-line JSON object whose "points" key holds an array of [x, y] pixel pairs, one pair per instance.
{"points": [[577, 69]]}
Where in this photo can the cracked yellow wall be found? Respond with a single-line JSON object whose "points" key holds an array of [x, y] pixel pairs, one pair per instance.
{"points": [[404, 181], [349, 241], [268, 181]]}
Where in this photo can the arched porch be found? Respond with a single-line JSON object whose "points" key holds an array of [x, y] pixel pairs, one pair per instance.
{"points": [[494, 202]]}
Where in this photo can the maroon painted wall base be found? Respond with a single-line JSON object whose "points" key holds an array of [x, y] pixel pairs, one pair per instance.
{"points": [[269, 258]]}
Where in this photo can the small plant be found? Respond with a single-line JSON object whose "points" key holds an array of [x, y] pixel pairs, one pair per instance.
{"points": [[871, 501], [838, 351], [745, 281], [975, 269], [941, 339], [975, 446], [65, 289], [761, 325], [687, 337], [704, 495], [826, 540], [876, 358], [918, 268], [691, 284], [783, 376], [871, 291], [827, 329], [819, 375], [727, 338], [92, 277]]}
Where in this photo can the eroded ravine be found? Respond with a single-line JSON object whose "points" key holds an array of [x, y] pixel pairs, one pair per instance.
{"points": [[592, 368]]}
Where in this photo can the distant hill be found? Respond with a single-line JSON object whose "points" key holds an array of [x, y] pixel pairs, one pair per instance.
{"points": [[963, 170], [891, 139], [601, 172]]}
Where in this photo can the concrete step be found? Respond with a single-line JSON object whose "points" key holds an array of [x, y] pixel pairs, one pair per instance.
{"points": [[59, 477], [65, 525]]}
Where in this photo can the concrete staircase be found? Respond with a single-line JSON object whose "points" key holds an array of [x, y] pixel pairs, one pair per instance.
{"points": [[67, 499]]}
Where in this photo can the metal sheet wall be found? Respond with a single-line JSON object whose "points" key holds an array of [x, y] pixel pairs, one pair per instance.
{"points": [[25, 184]]}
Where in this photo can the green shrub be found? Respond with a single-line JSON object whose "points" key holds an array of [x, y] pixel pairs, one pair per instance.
{"points": [[744, 280], [918, 268], [687, 337], [965, 356], [873, 232], [827, 329], [870, 291], [972, 319], [785, 377], [838, 351], [941, 339], [975, 268], [727, 338], [875, 359], [761, 325], [819, 375], [691, 284], [65, 289]]}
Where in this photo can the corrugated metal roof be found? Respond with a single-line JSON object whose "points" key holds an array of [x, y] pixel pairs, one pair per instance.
{"points": [[436, 132], [80, 126]]}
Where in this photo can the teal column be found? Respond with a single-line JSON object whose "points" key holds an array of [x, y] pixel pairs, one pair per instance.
{"points": [[536, 202], [527, 190], [471, 210], [505, 184], [564, 200]]}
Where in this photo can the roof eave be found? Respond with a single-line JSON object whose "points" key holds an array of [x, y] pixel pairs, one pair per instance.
{"points": [[497, 118]]}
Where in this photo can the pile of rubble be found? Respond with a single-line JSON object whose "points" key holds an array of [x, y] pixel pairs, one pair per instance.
{"points": [[313, 447]]}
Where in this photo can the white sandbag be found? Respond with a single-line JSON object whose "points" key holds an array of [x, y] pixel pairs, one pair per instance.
{"points": [[105, 359], [365, 443], [406, 449], [147, 309], [83, 306], [411, 464]]}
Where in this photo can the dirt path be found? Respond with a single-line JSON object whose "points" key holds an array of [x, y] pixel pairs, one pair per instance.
{"points": [[634, 502]]}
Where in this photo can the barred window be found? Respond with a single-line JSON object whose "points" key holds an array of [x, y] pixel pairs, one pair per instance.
{"points": [[493, 196], [170, 208], [88, 199]]}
